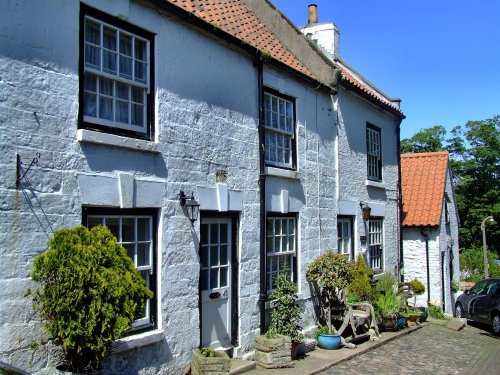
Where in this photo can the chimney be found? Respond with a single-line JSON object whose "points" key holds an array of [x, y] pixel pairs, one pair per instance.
{"points": [[313, 14], [326, 34]]}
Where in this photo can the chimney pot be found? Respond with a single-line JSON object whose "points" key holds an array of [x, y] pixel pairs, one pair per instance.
{"points": [[312, 14]]}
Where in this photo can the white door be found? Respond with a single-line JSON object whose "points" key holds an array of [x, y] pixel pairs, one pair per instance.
{"points": [[215, 282]]}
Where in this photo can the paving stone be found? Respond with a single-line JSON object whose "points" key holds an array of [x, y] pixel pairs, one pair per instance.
{"points": [[457, 324]]}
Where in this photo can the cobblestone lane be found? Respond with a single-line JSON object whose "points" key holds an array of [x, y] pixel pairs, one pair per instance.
{"points": [[430, 350]]}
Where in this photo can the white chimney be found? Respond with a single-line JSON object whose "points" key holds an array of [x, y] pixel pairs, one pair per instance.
{"points": [[325, 34]]}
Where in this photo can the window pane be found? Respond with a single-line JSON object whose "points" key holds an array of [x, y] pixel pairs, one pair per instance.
{"points": [[130, 251], [138, 114], [214, 278], [143, 229], [223, 233], [90, 105], [214, 256], [109, 38], [143, 258], [128, 229], [137, 95], [106, 108], [92, 32], [282, 107], [106, 86], [289, 109], [140, 50], [93, 221], [214, 234], [140, 72], [125, 67], [204, 256], [122, 91], [121, 112], [275, 104], [204, 234], [125, 44], [223, 276], [223, 254], [92, 56], [109, 62], [114, 226]]}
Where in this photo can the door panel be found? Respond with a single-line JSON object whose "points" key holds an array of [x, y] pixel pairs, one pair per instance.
{"points": [[215, 282]]}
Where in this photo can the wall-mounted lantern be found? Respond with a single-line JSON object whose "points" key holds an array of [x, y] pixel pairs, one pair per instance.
{"points": [[192, 206], [367, 210]]}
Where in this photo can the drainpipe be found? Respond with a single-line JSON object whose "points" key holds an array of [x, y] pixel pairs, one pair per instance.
{"points": [[443, 304], [262, 199], [400, 206], [426, 237]]}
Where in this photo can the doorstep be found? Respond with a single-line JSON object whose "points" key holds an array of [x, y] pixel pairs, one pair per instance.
{"points": [[320, 360], [239, 366]]}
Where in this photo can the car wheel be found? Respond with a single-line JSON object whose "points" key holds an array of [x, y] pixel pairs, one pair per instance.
{"points": [[459, 311], [496, 324]]}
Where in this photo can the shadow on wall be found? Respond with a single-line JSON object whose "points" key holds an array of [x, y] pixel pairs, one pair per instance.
{"points": [[110, 159]]}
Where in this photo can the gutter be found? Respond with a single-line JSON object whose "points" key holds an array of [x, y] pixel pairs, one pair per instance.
{"points": [[262, 199], [426, 237], [216, 30]]}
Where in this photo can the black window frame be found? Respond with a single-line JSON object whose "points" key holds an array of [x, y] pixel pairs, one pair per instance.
{"points": [[379, 255], [379, 178], [350, 219], [149, 135], [153, 279], [293, 149]]}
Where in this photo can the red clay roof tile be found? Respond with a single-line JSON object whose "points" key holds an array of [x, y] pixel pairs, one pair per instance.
{"points": [[423, 179]]}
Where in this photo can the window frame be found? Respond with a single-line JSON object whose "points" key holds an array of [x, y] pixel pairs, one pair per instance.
{"points": [[378, 131], [350, 222], [293, 134], [107, 126], [275, 255], [379, 255], [152, 213]]}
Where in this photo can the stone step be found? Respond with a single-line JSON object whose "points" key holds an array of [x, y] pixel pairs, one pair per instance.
{"points": [[239, 366]]}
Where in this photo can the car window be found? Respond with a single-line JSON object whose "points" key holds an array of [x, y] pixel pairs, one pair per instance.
{"points": [[494, 288], [480, 287]]}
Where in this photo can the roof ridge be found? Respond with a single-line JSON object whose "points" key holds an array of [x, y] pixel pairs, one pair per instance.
{"points": [[425, 154]]}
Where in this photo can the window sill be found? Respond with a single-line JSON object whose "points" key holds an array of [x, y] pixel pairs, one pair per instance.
{"points": [[279, 172], [89, 136], [376, 184], [136, 341]]}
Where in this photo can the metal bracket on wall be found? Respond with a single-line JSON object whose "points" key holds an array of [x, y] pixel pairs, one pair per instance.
{"points": [[19, 169]]}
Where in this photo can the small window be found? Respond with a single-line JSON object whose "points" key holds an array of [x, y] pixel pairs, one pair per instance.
{"points": [[116, 75], [135, 231], [281, 243], [375, 243], [374, 153], [344, 234], [279, 123]]}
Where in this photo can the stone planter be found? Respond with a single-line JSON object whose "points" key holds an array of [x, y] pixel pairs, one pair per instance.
{"points": [[200, 365], [412, 319], [389, 323], [273, 353]]}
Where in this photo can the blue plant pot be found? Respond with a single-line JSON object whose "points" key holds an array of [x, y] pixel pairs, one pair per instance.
{"points": [[329, 342], [401, 322]]}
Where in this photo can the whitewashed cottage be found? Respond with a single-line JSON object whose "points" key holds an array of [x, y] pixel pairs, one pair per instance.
{"points": [[129, 108]]}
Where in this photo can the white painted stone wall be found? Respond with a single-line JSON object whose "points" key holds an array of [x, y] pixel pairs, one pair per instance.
{"points": [[311, 191], [443, 248], [206, 120], [353, 115]]}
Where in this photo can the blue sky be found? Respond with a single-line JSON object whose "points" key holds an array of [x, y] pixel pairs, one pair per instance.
{"points": [[441, 57]]}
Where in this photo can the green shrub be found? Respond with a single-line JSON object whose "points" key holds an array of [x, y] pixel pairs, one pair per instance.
{"points": [[90, 293], [472, 262], [436, 312], [454, 287], [360, 285], [207, 352], [388, 301], [386, 282], [417, 288], [285, 312], [329, 274]]}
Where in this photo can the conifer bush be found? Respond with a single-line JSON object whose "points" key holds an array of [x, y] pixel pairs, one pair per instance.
{"points": [[89, 295]]}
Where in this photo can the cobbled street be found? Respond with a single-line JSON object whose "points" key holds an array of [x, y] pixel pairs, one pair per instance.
{"points": [[430, 350]]}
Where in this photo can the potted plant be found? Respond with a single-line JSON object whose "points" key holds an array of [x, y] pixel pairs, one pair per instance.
{"points": [[330, 273], [89, 295], [273, 350], [413, 315], [388, 302], [285, 312], [208, 361], [327, 340]]}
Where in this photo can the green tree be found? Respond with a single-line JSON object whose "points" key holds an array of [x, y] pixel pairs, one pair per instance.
{"points": [[426, 140]]}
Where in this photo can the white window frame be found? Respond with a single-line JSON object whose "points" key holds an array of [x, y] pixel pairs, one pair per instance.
{"points": [[149, 269], [344, 240], [274, 254], [374, 152], [279, 125], [376, 243], [131, 84]]}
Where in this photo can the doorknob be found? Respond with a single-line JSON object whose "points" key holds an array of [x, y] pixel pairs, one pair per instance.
{"points": [[214, 295]]}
